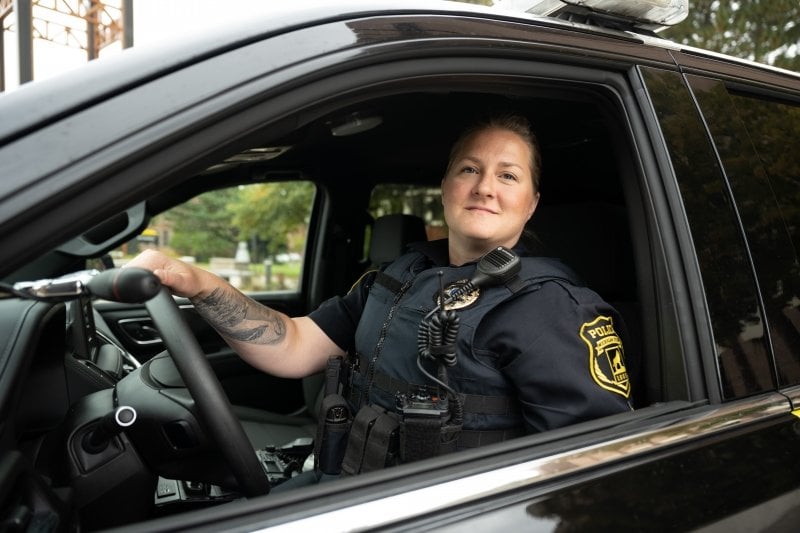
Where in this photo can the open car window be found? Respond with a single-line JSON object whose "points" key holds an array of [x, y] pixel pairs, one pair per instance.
{"points": [[252, 235]]}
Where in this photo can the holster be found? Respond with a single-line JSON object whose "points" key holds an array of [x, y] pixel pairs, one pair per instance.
{"points": [[332, 431], [334, 422]]}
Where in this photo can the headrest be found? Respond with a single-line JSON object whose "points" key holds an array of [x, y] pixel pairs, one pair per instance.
{"points": [[391, 234], [593, 239]]}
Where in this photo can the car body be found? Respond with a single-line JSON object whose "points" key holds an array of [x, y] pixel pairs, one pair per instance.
{"points": [[670, 183]]}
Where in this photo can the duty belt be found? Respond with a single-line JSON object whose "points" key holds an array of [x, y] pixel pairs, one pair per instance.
{"points": [[472, 403]]}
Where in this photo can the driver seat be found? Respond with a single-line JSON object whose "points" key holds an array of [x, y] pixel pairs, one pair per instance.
{"points": [[390, 236]]}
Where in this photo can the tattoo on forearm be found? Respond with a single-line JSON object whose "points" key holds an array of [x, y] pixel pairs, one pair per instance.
{"points": [[241, 319]]}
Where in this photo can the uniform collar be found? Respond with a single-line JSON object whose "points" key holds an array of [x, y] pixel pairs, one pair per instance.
{"points": [[438, 253]]}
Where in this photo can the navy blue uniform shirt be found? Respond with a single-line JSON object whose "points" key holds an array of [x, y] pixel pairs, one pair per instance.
{"points": [[559, 347]]}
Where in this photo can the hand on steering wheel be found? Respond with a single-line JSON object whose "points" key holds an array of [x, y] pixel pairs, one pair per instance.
{"points": [[136, 285]]}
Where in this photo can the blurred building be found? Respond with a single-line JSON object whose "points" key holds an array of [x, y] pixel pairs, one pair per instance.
{"points": [[88, 25]]}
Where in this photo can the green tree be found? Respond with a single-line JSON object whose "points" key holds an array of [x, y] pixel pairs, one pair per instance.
{"points": [[201, 227], [766, 31], [277, 214]]}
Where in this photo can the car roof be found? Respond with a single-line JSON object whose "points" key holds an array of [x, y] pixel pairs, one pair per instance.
{"points": [[25, 107], [31, 104]]}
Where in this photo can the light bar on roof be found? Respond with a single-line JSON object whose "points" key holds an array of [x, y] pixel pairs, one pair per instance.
{"points": [[651, 12]]}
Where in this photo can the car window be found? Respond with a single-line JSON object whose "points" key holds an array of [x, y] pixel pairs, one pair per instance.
{"points": [[734, 307], [424, 202], [756, 139], [252, 235]]}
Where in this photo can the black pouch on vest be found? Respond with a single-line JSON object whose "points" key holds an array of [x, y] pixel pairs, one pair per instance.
{"points": [[373, 441], [332, 431]]}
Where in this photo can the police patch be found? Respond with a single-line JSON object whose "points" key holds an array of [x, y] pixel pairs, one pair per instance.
{"points": [[606, 357], [457, 295]]}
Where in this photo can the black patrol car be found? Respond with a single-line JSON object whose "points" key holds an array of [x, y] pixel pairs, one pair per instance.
{"points": [[671, 183]]}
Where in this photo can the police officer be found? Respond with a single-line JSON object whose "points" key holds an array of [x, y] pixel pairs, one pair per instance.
{"points": [[530, 353]]}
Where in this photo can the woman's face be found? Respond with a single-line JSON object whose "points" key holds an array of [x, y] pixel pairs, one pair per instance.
{"points": [[488, 193]]}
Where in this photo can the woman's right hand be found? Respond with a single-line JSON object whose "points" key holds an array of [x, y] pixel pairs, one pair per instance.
{"points": [[267, 339], [182, 278]]}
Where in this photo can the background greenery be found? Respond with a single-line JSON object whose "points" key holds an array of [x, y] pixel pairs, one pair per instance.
{"points": [[767, 31], [270, 217]]}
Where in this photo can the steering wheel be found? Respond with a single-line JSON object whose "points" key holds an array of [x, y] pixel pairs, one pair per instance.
{"points": [[136, 285]]}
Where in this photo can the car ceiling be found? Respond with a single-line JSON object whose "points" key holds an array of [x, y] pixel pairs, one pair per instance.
{"points": [[412, 143]]}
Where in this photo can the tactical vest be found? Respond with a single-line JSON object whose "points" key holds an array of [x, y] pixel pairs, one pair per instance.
{"points": [[386, 343]]}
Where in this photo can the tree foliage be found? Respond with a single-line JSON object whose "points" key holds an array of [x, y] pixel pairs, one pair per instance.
{"points": [[270, 217], [201, 227], [276, 214], [767, 31]]}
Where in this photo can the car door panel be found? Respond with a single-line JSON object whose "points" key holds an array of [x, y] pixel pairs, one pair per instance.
{"points": [[638, 495], [677, 462]]}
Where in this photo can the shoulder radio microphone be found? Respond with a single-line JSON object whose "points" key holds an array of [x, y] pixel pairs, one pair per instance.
{"points": [[496, 267]]}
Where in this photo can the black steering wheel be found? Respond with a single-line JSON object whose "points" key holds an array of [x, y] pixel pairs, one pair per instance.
{"points": [[136, 285]]}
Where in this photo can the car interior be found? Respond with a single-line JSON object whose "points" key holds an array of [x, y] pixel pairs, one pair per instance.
{"points": [[591, 215]]}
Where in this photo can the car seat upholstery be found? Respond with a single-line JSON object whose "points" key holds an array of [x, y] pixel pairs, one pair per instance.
{"points": [[390, 236]]}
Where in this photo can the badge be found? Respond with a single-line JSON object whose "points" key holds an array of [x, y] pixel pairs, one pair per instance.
{"points": [[463, 298], [606, 357]]}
